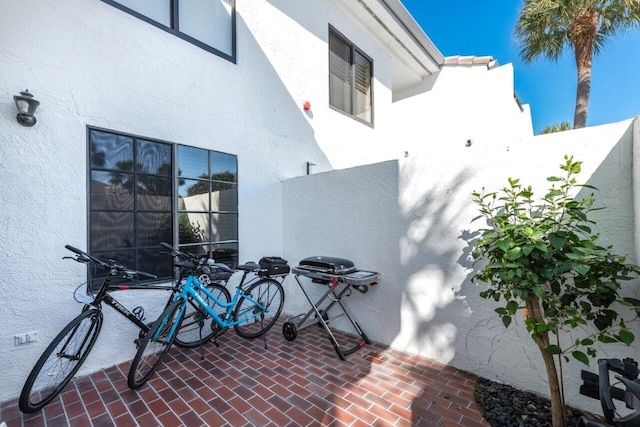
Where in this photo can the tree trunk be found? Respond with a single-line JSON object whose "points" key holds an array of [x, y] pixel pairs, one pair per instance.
{"points": [[582, 34], [542, 340]]}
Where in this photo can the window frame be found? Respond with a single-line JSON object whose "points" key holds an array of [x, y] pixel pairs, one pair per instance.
{"points": [[174, 211], [352, 76], [174, 28]]}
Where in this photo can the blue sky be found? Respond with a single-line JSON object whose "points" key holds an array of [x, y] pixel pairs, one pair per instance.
{"points": [[486, 28]]}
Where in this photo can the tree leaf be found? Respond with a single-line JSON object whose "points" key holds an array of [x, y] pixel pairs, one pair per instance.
{"points": [[514, 253], [506, 320], [554, 349], [557, 241], [581, 268], [626, 337], [580, 356], [630, 302], [539, 291]]}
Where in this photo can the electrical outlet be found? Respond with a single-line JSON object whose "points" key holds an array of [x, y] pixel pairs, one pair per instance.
{"points": [[25, 338]]}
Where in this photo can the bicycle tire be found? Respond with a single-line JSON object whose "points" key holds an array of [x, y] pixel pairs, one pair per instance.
{"points": [[155, 345], [197, 326], [269, 293], [60, 361]]}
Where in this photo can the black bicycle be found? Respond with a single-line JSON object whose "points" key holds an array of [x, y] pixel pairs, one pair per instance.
{"points": [[598, 386], [70, 348]]}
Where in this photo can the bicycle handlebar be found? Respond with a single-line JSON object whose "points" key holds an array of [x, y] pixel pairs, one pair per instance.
{"points": [[195, 261], [107, 265]]}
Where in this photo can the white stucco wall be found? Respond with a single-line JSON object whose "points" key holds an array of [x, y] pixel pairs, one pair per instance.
{"points": [[409, 220], [458, 104]]}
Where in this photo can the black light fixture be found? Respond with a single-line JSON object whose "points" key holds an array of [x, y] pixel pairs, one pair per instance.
{"points": [[27, 106]]}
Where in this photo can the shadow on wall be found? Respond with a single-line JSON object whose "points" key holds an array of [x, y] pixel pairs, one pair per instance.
{"points": [[429, 250], [410, 219], [378, 216], [511, 356]]}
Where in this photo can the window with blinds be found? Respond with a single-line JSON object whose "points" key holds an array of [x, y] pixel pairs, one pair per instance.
{"points": [[350, 72]]}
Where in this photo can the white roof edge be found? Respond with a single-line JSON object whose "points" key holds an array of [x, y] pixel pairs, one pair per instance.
{"points": [[415, 30], [488, 61]]}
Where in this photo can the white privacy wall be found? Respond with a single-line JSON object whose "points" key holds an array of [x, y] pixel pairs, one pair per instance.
{"points": [[461, 104], [409, 219]]}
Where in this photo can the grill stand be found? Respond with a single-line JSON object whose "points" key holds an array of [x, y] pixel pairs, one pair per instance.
{"points": [[338, 288]]}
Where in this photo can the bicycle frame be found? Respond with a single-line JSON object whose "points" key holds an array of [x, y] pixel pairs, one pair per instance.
{"points": [[108, 299], [104, 295], [191, 289]]}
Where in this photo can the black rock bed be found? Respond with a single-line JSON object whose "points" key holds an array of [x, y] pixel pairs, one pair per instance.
{"points": [[505, 406]]}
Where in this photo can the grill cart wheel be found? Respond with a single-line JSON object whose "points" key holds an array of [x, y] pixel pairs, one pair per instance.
{"points": [[289, 331]]}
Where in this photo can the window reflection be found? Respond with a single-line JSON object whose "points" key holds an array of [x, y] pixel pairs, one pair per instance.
{"points": [[154, 158], [109, 151], [193, 227], [224, 167], [108, 193], [193, 195], [193, 162], [225, 227], [154, 193], [111, 230]]}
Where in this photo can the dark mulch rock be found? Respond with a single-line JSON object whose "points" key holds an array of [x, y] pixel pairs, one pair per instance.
{"points": [[504, 406]]}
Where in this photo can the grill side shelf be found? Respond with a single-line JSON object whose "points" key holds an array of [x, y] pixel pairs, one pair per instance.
{"points": [[356, 278]]}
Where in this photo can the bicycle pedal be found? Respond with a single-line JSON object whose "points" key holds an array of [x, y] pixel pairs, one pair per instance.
{"points": [[213, 340]]}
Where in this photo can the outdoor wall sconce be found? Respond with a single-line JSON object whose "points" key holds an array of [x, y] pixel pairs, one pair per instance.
{"points": [[27, 106]]}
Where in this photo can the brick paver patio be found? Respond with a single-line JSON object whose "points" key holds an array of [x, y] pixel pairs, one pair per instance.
{"points": [[298, 383]]}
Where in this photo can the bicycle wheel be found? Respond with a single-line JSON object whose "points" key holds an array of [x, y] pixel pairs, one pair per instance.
{"points": [[60, 361], [197, 326], [155, 344], [268, 293]]}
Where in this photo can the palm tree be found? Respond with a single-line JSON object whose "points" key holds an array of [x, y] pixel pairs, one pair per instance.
{"points": [[546, 27]]}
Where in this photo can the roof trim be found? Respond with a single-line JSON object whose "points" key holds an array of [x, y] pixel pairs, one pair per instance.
{"points": [[406, 20], [487, 61]]}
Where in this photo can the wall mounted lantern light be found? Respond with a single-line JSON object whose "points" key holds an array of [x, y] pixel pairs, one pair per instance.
{"points": [[27, 106]]}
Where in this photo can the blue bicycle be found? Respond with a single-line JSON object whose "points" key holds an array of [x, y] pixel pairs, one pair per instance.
{"points": [[253, 310]]}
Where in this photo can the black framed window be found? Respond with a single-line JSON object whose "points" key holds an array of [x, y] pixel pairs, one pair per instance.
{"points": [[209, 24], [138, 198], [208, 203], [350, 76]]}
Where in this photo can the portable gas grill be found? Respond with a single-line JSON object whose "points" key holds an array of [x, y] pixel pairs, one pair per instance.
{"points": [[340, 276]]}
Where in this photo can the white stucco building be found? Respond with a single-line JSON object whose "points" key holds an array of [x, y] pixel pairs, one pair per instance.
{"points": [[277, 90]]}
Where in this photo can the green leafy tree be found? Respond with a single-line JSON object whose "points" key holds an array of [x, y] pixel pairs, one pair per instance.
{"points": [[545, 28], [542, 256], [560, 127]]}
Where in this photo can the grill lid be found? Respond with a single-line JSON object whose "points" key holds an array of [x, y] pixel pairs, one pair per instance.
{"points": [[328, 264]]}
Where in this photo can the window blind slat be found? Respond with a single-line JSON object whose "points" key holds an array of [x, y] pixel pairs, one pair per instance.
{"points": [[339, 74], [350, 74]]}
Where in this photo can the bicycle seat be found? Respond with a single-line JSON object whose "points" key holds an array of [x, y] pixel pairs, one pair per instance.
{"points": [[249, 266], [220, 266]]}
